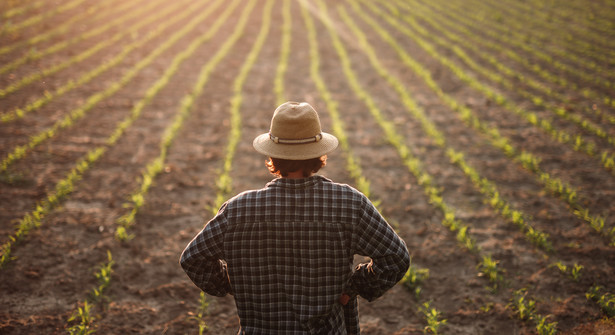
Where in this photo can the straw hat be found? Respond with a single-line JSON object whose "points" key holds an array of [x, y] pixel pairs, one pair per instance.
{"points": [[295, 134]]}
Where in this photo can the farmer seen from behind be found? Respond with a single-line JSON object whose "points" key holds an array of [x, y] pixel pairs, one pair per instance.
{"points": [[285, 252]]}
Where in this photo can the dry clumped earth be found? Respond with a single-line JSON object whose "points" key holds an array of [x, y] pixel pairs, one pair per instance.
{"points": [[53, 270]]}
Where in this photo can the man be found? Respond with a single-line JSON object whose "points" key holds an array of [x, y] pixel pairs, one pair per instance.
{"points": [[285, 252]]}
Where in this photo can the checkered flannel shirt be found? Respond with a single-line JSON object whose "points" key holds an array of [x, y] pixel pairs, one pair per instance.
{"points": [[285, 252]]}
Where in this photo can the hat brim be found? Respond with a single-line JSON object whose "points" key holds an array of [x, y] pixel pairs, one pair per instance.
{"points": [[266, 146]]}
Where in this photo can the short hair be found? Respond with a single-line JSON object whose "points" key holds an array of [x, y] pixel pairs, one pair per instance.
{"points": [[282, 167]]}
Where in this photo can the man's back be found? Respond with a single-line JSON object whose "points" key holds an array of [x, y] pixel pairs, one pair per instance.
{"points": [[288, 253], [285, 252], [289, 249]]}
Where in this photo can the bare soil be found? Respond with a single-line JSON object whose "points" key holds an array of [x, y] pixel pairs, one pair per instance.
{"points": [[53, 270]]}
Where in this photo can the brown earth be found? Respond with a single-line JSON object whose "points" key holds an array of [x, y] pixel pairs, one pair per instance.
{"points": [[53, 270]]}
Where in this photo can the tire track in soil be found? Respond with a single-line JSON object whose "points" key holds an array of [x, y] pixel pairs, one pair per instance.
{"points": [[431, 245], [66, 227], [173, 214], [478, 154], [39, 175]]}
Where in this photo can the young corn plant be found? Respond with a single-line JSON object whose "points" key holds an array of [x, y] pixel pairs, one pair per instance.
{"points": [[575, 272], [606, 300], [85, 325], [525, 309], [488, 268], [104, 279], [414, 278], [433, 317], [200, 314], [83, 315]]}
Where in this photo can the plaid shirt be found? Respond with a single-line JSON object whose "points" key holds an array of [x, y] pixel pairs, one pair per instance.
{"points": [[285, 252]]}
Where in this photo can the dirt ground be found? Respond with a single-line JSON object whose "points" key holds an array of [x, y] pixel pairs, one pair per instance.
{"points": [[54, 265]]}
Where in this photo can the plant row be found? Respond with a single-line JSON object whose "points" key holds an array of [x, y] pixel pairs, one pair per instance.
{"points": [[187, 104], [37, 76], [530, 162], [224, 180], [415, 276], [486, 187], [16, 11], [584, 32], [478, 45], [107, 64], [278, 85], [76, 114], [518, 40], [156, 166], [82, 320], [66, 185], [11, 28], [576, 141], [33, 54], [575, 52], [471, 42], [96, 13], [589, 77]]}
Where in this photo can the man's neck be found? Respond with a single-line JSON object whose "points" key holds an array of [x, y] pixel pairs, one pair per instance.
{"points": [[296, 175]]}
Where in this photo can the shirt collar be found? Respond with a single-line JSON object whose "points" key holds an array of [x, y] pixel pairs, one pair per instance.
{"points": [[297, 183]]}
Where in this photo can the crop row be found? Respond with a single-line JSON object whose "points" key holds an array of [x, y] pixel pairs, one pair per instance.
{"points": [[528, 160], [415, 276], [589, 77], [16, 11], [576, 141], [186, 106], [96, 13], [66, 185], [523, 305], [517, 40], [11, 28], [83, 313], [504, 71], [33, 54], [572, 55], [486, 187], [479, 45], [76, 114], [547, 25], [74, 83], [74, 59]]}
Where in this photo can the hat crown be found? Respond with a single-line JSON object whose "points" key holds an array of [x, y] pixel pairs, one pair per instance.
{"points": [[295, 121]]}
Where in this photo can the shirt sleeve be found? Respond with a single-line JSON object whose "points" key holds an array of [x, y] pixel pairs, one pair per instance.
{"points": [[202, 259], [375, 238]]}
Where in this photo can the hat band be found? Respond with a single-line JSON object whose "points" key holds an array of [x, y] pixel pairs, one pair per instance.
{"points": [[295, 141]]}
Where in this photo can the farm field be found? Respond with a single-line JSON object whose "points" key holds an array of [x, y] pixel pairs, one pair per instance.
{"points": [[483, 130]]}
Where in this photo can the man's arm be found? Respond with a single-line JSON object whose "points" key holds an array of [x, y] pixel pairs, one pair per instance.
{"points": [[202, 258], [374, 237]]}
